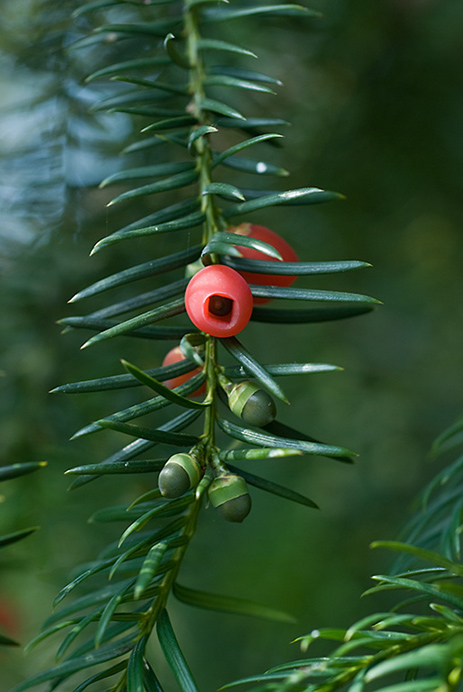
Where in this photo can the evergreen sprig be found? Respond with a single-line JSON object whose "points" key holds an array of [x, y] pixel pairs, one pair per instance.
{"points": [[162, 70], [405, 649]]}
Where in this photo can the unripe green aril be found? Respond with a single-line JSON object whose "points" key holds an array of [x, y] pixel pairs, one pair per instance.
{"points": [[237, 509], [252, 404], [229, 495], [180, 473]]}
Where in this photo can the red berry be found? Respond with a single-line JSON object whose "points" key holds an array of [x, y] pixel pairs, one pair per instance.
{"points": [[9, 619], [174, 356], [276, 241], [218, 301]]}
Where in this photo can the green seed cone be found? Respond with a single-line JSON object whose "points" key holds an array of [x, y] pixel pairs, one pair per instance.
{"points": [[237, 509], [229, 495], [180, 473], [252, 404]]}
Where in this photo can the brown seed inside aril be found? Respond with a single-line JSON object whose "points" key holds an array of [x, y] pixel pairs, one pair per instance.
{"points": [[220, 305]]}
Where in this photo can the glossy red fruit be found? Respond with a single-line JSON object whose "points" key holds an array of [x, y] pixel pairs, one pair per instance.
{"points": [[174, 356], [218, 301], [276, 241]]}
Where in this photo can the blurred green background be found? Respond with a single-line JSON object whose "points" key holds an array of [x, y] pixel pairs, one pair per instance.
{"points": [[374, 91]]}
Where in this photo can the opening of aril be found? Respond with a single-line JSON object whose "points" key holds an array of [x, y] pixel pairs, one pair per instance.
{"points": [[220, 307]]}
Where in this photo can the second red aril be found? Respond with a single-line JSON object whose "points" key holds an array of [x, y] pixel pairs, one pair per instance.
{"points": [[286, 251], [175, 355]]}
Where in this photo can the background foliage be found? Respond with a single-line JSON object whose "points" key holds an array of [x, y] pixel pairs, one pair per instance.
{"points": [[374, 95]]}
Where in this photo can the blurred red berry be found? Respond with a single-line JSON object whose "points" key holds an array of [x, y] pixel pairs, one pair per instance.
{"points": [[174, 356], [9, 619]]}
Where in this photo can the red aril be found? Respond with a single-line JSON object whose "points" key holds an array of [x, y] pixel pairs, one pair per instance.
{"points": [[286, 251], [218, 301], [174, 356]]}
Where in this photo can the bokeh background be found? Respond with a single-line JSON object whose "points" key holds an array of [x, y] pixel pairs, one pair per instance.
{"points": [[374, 92]]}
